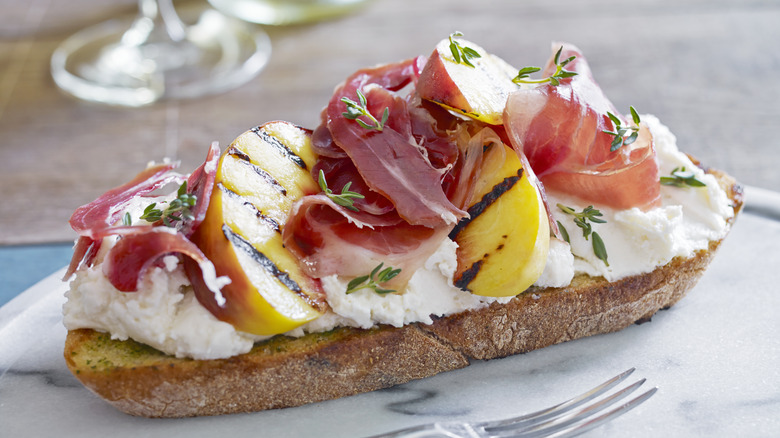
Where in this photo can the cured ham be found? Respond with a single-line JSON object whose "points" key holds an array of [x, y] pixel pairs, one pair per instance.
{"points": [[128, 260], [329, 239], [101, 217], [201, 183], [560, 131], [94, 219], [389, 160], [417, 175], [139, 246]]}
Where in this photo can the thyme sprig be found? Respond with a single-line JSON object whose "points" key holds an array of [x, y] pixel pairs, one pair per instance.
{"points": [[462, 54], [624, 135], [583, 220], [524, 73], [358, 109], [681, 178], [177, 210], [372, 280], [345, 198]]}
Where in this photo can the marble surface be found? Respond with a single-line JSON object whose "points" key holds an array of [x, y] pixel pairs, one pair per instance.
{"points": [[713, 356]]}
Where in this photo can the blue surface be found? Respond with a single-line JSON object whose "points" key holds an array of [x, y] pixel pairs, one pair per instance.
{"points": [[23, 266]]}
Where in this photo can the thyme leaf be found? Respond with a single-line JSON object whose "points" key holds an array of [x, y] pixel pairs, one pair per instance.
{"points": [[462, 54], [584, 220], [177, 210], [681, 178], [358, 109], [345, 198], [599, 249], [624, 135], [372, 281], [564, 233], [524, 74]]}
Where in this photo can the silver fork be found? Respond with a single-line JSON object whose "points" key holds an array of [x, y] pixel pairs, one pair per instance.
{"points": [[566, 419]]}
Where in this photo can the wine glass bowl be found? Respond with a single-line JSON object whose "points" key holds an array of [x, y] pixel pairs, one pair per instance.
{"points": [[157, 56]]}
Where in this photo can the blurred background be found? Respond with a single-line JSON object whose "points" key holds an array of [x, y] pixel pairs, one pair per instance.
{"points": [[707, 68]]}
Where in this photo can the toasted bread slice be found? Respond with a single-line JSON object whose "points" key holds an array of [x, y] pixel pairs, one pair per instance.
{"points": [[285, 372]]}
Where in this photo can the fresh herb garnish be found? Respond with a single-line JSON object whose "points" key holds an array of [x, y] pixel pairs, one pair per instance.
{"points": [[599, 249], [462, 54], [555, 79], [127, 220], [372, 281], [624, 135], [345, 198], [358, 109], [177, 210], [583, 220], [564, 233], [681, 178]]}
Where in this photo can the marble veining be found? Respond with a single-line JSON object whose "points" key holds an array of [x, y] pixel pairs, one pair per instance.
{"points": [[421, 402]]}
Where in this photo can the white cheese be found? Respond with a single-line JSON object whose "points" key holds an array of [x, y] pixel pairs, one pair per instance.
{"points": [[637, 242], [429, 293], [559, 269], [163, 313]]}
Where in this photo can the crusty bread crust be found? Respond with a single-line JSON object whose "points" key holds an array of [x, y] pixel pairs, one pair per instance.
{"points": [[285, 372]]}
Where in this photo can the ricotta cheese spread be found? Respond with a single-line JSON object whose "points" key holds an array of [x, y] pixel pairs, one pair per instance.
{"points": [[638, 241], [165, 314]]}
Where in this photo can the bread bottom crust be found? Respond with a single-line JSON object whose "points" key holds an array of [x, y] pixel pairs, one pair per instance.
{"points": [[285, 372]]}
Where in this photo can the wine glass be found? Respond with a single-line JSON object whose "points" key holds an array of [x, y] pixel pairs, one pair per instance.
{"points": [[157, 56]]}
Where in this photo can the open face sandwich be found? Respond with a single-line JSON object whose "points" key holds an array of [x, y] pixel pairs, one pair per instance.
{"points": [[448, 208]]}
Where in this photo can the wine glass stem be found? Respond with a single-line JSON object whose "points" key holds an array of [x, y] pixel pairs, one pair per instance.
{"points": [[155, 14]]}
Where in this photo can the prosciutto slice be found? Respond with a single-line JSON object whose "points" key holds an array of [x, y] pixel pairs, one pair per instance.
{"points": [[140, 245], [201, 183], [127, 262], [390, 161], [560, 131], [94, 219], [410, 174], [328, 240]]}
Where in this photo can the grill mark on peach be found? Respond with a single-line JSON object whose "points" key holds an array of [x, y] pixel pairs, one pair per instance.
{"points": [[279, 146], [246, 203], [242, 244], [246, 160], [487, 200], [468, 275]]}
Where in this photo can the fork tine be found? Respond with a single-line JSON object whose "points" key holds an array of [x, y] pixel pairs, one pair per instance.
{"points": [[544, 429], [583, 427], [544, 414], [555, 421]]}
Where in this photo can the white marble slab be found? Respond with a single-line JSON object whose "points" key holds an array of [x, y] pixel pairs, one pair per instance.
{"points": [[714, 357]]}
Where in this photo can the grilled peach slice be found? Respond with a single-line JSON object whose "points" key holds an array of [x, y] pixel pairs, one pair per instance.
{"points": [[258, 178], [479, 92], [503, 245]]}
